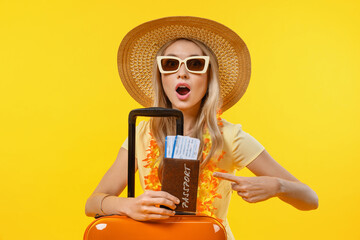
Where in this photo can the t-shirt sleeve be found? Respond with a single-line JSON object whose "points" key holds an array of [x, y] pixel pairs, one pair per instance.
{"points": [[125, 144], [245, 148]]}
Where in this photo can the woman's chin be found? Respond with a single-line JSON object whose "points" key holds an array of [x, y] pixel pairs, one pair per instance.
{"points": [[186, 106]]}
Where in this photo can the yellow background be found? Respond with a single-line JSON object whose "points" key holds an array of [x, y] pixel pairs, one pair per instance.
{"points": [[64, 109]]}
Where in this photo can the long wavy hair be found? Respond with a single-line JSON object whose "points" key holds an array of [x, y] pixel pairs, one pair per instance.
{"points": [[206, 118]]}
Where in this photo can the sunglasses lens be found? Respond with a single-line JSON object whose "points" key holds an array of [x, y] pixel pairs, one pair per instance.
{"points": [[169, 64], [195, 64]]}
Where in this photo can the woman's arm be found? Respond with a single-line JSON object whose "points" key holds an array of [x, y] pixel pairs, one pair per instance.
{"points": [[272, 181], [105, 200]]}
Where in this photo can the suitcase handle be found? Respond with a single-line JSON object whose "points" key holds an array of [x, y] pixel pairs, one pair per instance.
{"points": [[147, 112]]}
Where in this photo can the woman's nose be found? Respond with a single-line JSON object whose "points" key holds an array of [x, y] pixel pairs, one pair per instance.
{"points": [[183, 73]]}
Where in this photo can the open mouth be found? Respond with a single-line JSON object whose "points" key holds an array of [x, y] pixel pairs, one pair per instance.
{"points": [[182, 90]]}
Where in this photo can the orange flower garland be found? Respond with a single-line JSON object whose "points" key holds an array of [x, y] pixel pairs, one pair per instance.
{"points": [[208, 184], [152, 181]]}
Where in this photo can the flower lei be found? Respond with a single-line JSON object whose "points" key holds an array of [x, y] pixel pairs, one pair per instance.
{"points": [[208, 184]]}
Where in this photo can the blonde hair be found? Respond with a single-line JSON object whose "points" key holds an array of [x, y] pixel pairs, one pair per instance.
{"points": [[211, 103]]}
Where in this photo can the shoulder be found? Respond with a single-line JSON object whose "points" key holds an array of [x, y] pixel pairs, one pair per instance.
{"points": [[142, 130], [243, 147], [233, 134], [143, 126], [230, 130]]}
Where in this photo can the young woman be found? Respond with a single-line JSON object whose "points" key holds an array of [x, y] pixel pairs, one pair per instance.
{"points": [[199, 67]]}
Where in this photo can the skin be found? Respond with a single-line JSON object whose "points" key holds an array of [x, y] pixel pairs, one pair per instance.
{"points": [[271, 180], [197, 82]]}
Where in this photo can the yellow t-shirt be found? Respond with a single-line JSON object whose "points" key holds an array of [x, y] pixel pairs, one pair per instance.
{"points": [[240, 149]]}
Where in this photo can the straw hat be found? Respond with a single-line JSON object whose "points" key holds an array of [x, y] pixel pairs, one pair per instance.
{"points": [[138, 49]]}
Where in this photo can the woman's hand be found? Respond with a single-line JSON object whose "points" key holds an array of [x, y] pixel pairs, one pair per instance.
{"points": [[146, 206], [253, 189]]}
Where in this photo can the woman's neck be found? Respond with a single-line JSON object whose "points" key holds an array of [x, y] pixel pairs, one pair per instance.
{"points": [[190, 117], [189, 124]]}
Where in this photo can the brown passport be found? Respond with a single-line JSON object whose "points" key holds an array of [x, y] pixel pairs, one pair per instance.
{"points": [[180, 178]]}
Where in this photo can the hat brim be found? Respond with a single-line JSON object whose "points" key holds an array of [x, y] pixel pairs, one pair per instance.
{"points": [[138, 49]]}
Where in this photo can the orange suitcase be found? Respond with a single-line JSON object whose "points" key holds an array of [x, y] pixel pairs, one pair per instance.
{"points": [[184, 227]]}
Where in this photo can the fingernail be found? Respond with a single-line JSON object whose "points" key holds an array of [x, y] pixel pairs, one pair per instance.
{"points": [[177, 201]]}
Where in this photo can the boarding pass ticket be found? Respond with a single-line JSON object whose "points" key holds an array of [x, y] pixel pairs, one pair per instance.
{"points": [[181, 147]]}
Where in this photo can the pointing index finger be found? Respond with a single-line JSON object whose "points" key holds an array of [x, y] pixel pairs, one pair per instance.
{"points": [[226, 176]]}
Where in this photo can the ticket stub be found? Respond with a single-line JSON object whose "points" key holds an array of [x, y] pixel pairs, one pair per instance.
{"points": [[181, 147], [169, 145]]}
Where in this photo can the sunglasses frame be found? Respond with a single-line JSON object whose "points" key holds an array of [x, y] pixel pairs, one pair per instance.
{"points": [[206, 58]]}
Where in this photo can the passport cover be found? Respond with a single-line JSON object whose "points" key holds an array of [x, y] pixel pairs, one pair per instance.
{"points": [[180, 178]]}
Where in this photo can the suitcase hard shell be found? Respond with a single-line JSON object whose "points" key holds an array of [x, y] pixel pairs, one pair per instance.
{"points": [[184, 227], [199, 227]]}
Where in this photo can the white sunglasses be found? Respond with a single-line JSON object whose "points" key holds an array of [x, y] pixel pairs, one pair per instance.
{"points": [[171, 64]]}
